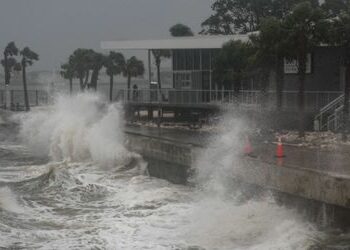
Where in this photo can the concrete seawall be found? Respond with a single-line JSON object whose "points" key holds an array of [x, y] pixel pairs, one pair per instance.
{"points": [[167, 159], [172, 160]]}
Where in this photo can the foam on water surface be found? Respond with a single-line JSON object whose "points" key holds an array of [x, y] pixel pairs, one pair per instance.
{"points": [[9, 202]]}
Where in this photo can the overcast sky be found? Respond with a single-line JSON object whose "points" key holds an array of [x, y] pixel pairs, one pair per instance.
{"points": [[54, 28]]}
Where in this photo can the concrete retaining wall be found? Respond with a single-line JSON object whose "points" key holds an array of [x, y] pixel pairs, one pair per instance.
{"points": [[167, 159], [172, 160], [301, 182]]}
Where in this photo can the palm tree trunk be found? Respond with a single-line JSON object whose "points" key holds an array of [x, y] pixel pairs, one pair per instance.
{"points": [[346, 104], [6, 69], [159, 84], [7, 80], [81, 82], [94, 78], [87, 75], [25, 91], [70, 86], [111, 88], [160, 92], [279, 83], [129, 82], [158, 77]]}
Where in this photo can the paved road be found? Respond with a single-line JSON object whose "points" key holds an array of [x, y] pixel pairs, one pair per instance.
{"points": [[335, 163]]}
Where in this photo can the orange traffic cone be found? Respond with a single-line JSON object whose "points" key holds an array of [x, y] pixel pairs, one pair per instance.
{"points": [[279, 150], [248, 150]]}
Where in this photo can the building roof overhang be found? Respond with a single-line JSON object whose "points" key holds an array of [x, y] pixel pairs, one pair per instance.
{"points": [[195, 42]]}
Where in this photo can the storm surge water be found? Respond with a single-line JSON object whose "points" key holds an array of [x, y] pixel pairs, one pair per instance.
{"points": [[70, 183], [229, 217]]}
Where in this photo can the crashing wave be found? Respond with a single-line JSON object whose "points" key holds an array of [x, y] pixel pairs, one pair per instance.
{"points": [[77, 128]]}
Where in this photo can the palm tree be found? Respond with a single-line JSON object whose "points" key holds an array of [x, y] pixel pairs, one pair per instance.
{"points": [[114, 66], [96, 64], [68, 73], [10, 51], [158, 54], [81, 62], [180, 30], [132, 68], [28, 58], [305, 28], [10, 64]]}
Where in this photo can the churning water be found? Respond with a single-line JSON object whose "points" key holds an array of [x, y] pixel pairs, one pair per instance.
{"points": [[68, 182]]}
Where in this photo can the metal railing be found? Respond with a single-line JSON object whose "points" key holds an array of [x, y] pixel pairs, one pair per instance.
{"points": [[329, 117], [245, 99], [314, 100], [334, 121], [16, 98]]}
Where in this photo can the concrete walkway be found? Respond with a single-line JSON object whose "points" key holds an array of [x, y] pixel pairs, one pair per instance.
{"points": [[334, 163]]}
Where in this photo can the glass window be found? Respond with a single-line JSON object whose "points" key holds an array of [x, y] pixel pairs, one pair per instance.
{"points": [[196, 59], [206, 59], [182, 80]]}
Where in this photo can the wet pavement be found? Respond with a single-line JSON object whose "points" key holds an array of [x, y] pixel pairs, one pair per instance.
{"points": [[335, 162]]}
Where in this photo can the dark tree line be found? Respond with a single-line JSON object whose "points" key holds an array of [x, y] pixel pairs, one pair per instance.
{"points": [[279, 29], [242, 16]]}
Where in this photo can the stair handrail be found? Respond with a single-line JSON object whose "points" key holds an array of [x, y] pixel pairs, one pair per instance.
{"points": [[332, 105], [334, 118]]}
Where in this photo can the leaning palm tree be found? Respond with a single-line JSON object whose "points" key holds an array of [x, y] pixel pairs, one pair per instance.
{"points": [[10, 51], [8, 65], [81, 62], [28, 58], [158, 54], [114, 66], [67, 72], [96, 64], [132, 68]]}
